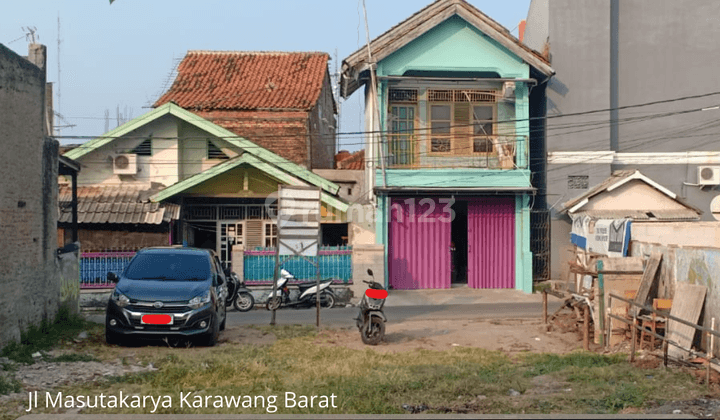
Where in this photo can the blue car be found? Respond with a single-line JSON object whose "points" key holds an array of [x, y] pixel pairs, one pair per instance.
{"points": [[168, 292]]}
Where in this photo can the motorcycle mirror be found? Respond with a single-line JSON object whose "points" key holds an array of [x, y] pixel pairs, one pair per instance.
{"points": [[370, 272]]}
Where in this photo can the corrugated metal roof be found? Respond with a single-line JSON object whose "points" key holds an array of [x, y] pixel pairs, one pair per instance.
{"points": [[115, 204]]}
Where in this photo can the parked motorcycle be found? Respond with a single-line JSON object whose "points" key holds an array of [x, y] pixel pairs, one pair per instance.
{"points": [[306, 293], [238, 295], [371, 318]]}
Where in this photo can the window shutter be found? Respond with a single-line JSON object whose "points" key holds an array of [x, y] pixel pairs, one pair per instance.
{"points": [[253, 233], [461, 129]]}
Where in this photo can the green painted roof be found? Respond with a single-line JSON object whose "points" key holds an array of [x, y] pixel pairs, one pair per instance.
{"points": [[249, 159], [214, 129]]}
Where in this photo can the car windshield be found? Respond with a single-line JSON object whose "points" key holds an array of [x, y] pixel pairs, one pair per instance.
{"points": [[156, 266]]}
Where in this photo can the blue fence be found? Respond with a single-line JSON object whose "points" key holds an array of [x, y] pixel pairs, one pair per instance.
{"points": [[94, 267], [335, 263]]}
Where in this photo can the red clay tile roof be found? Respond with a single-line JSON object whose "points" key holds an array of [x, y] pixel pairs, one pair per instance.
{"points": [[355, 161], [236, 80]]}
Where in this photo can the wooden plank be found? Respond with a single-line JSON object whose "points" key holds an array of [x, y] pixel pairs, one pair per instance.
{"points": [[687, 304], [647, 281], [623, 264]]}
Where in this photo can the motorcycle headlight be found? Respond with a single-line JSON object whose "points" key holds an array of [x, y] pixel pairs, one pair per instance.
{"points": [[120, 299], [200, 300]]}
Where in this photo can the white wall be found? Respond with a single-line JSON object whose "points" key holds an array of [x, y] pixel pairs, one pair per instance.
{"points": [[700, 234]]}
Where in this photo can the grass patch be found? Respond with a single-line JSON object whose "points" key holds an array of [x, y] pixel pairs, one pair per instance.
{"points": [[284, 332], [73, 357], [8, 385], [45, 336], [543, 364], [458, 380]]}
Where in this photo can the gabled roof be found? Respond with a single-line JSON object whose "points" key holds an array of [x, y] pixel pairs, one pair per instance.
{"points": [[115, 204], [618, 179], [213, 129], [247, 80], [245, 158], [421, 22]]}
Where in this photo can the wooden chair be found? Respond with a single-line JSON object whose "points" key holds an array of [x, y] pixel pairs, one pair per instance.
{"points": [[654, 322]]}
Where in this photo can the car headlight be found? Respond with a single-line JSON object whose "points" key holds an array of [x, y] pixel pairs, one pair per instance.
{"points": [[200, 300], [120, 299]]}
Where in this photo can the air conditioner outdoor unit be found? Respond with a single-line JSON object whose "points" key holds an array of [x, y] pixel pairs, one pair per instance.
{"points": [[709, 175], [125, 164]]}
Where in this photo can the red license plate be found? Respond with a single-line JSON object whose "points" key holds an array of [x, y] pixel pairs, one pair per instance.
{"points": [[157, 319]]}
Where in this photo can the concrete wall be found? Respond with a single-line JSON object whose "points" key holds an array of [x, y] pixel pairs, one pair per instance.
{"points": [[367, 257], [694, 265], [323, 126], [28, 198], [699, 234], [659, 52]]}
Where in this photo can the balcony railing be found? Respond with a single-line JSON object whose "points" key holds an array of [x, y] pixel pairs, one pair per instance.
{"points": [[487, 152]]}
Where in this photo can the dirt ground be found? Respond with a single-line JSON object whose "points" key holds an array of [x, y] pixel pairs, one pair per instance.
{"points": [[506, 335]]}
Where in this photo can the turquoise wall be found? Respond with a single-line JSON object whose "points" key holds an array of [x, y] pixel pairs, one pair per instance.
{"points": [[454, 45]]}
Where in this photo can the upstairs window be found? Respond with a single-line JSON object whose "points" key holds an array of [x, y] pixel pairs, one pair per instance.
{"points": [[462, 122], [214, 152]]}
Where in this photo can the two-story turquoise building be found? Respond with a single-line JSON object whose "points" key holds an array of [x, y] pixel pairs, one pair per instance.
{"points": [[448, 94]]}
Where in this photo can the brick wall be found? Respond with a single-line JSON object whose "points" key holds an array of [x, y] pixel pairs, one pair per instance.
{"points": [[282, 132], [121, 237], [28, 198]]}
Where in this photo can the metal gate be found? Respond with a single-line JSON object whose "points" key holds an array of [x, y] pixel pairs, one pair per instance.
{"points": [[491, 243], [419, 244], [540, 243]]}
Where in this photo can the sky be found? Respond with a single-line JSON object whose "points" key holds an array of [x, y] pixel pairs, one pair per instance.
{"points": [[121, 56]]}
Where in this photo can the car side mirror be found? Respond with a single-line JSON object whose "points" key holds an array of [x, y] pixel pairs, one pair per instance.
{"points": [[112, 277], [370, 272]]}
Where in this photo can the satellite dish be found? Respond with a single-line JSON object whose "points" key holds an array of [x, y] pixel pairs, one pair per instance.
{"points": [[715, 207]]}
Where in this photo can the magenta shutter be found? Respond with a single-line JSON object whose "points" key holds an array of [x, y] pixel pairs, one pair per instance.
{"points": [[491, 243], [419, 244]]}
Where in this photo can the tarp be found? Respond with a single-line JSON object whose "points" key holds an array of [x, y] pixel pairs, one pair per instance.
{"points": [[609, 237]]}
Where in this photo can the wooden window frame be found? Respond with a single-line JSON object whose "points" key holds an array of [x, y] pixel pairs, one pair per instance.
{"points": [[265, 236], [466, 130], [493, 137], [449, 136], [391, 136]]}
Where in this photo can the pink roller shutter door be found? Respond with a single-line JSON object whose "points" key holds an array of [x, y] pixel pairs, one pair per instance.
{"points": [[419, 244], [491, 243]]}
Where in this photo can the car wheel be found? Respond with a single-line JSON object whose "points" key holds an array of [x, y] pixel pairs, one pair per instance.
{"points": [[211, 337], [244, 301]]}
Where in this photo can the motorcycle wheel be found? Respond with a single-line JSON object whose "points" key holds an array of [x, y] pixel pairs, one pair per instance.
{"points": [[244, 301], [273, 303], [327, 300], [376, 333]]}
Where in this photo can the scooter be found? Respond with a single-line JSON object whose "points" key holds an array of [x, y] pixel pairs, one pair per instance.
{"points": [[238, 295], [306, 293], [371, 319]]}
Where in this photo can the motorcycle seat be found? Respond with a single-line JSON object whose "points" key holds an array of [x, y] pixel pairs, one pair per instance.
{"points": [[308, 284]]}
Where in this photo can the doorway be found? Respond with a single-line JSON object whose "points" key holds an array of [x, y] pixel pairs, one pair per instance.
{"points": [[459, 244]]}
